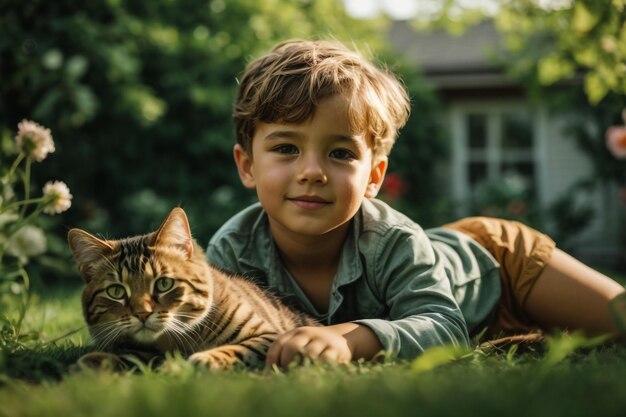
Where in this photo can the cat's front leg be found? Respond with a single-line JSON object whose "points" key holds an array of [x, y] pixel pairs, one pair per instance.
{"points": [[100, 361], [120, 361], [249, 353]]}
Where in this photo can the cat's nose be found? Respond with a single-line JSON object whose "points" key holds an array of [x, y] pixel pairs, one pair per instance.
{"points": [[143, 315]]}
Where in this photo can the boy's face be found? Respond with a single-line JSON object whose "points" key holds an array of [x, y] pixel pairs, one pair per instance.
{"points": [[311, 177]]}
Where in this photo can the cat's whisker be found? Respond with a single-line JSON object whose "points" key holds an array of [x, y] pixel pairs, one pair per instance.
{"points": [[204, 324], [181, 338], [105, 334], [109, 338], [99, 330], [187, 344], [186, 326], [186, 332]]}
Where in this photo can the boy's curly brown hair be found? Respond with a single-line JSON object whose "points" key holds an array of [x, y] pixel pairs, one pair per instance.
{"points": [[287, 84]]}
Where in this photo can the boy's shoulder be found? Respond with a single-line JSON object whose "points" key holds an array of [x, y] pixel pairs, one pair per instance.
{"points": [[380, 218], [243, 242], [240, 226], [381, 227]]}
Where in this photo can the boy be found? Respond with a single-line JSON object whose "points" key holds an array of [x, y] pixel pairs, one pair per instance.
{"points": [[315, 123]]}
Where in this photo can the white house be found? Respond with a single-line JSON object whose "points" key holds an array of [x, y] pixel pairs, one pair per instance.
{"points": [[496, 132]]}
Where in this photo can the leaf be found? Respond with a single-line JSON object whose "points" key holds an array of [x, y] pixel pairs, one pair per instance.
{"points": [[76, 67], [554, 68], [437, 356], [595, 88], [583, 20], [510, 354], [561, 346], [587, 56]]}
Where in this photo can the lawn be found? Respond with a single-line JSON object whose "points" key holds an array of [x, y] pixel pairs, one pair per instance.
{"points": [[557, 381]]}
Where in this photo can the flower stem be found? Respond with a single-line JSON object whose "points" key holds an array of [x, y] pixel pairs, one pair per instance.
{"points": [[24, 221], [16, 163], [23, 202], [26, 185], [25, 300]]}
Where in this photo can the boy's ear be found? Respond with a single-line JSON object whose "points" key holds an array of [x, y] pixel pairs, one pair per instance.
{"points": [[377, 175], [244, 166]]}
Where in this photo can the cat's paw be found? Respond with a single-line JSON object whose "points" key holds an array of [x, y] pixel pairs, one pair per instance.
{"points": [[213, 360], [99, 361]]}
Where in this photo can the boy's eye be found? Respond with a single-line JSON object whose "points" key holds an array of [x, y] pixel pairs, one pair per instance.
{"points": [[116, 291], [164, 284], [286, 149], [342, 154]]}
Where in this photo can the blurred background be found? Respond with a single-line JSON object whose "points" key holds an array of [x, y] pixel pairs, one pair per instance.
{"points": [[511, 100]]}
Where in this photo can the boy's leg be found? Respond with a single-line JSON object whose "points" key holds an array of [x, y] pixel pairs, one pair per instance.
{"points": [[570, 295]]}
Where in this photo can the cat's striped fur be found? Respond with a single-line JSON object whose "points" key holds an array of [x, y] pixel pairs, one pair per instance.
{"points": [[157, 293]]}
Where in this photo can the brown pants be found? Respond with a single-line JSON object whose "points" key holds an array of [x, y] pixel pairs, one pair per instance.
{"points": [[522, 253]]}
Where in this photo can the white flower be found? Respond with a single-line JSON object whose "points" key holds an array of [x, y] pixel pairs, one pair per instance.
{"points": [[27, 242], [34, 140], [59, 197], [7, 219]]}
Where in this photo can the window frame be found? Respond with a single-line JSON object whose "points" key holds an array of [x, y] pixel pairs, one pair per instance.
{"points": [[461, 154]]}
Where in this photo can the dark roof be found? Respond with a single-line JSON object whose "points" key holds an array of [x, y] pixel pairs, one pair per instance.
{"points": [[452, 61]]}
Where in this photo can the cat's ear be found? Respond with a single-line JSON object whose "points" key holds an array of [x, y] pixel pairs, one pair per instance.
{"points": [[175, 232], [87, 250]]}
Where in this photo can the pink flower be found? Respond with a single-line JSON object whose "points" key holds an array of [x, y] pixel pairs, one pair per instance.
{"points": [[616, 141]]}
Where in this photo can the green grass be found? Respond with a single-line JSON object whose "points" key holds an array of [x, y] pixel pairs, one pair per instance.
{"points": [[36, 382]]}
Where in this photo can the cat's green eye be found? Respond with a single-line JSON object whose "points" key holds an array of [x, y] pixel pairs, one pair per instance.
{"points": [[116, 291], [164, 284]]}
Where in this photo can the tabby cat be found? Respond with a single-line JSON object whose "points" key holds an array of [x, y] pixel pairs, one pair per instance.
{"points": [[157, 293]]}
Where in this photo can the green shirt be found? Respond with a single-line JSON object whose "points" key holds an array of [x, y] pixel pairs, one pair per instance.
{"points": [[413, 288]]}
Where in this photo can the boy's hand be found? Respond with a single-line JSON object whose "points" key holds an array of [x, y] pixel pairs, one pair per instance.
{"points": [[339, 343], [318, 343]]}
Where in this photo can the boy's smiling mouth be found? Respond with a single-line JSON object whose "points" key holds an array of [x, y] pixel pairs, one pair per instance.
{"points": [[309, 202]]}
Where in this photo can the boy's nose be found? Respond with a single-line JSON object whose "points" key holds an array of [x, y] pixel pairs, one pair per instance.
{"points": [[312, 171]]}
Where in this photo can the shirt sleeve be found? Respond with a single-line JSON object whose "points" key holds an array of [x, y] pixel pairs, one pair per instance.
{"points": [[222, 253], [412, 282]]}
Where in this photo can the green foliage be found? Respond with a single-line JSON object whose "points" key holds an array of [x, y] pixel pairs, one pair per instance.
{"points": [[36, 380], [571, 213], [51, 336], [21, 238], [438, 356], [569, 58], [508, 197], [567, 55], [586, 38], [139, 95], [562, 346], [419, 150]]}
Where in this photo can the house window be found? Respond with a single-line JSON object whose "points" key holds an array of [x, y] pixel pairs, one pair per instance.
{"points": [[495, 156]]}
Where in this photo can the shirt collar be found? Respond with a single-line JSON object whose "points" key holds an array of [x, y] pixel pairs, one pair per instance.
{"points": [[262, 253]]}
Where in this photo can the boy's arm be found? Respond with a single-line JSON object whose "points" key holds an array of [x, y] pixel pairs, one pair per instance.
{"points": [[361, 340], [422, 312], [338, 343], [412, 282]]}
